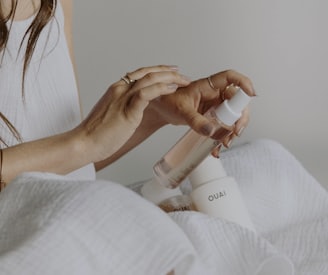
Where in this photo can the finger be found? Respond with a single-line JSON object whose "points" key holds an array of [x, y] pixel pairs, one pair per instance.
{"points": [[166, 77], [198, 122], [236, 78], [216, 151], [141, 72], [141, 98], [229, 92], [205, 127], [240, 126], [242, 123], [227, 141], [223, 79]]}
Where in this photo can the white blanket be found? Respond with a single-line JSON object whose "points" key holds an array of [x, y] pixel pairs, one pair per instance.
{"points": [[50, 224]]}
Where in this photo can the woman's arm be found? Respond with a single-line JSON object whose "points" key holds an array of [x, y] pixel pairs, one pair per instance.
{"points": [[185, 107], [68, 25], [151, 123], [68, 29], [60, 154], [110, 124]]}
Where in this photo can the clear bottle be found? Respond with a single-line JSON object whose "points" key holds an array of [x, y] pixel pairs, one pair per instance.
{"points": [[193, 148], [218, 195], [167, 199]]}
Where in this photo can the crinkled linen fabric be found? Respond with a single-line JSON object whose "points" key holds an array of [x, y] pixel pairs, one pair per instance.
{"points": [[55, 225]]}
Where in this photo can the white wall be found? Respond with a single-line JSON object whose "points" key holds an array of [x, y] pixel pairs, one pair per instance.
{"points": [[281, 45]]}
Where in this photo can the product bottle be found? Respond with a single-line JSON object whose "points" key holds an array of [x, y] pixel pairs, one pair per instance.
{"points": [[167, 199], [193, 148], [218, 195]]}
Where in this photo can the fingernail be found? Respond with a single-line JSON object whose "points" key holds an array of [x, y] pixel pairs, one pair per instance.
{"points": [[254, 92], [230, 134], [217, 152], [240, 131], [186, 78], [174, 68], [207, 129], [172, 86], [229, 143]]}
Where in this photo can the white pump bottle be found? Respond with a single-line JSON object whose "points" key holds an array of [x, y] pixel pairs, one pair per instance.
{"points": [[218, 195]]}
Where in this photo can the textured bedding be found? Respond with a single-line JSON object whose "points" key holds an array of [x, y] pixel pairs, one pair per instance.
{"points": [[51, 224]]}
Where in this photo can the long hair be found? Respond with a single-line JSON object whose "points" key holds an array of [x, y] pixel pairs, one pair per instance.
{"points": [[43, 16]]}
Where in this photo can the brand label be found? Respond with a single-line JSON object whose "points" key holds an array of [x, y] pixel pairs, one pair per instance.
{"points": [[217, 195]]}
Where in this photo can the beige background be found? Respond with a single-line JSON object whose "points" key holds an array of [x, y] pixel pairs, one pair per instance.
{"points": [[281, 45]]}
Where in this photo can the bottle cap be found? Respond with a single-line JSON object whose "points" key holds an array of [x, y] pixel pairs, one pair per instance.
{"points": [[230, 110], [155, 192], [209, 169]]}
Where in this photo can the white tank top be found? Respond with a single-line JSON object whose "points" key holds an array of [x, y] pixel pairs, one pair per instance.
{"points": [[51, 101]]}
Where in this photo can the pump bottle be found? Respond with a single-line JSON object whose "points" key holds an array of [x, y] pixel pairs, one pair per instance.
{"points": [[218, 195], [193, 148]]}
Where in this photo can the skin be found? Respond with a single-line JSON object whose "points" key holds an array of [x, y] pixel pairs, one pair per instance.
{"points": [[124, 116]]}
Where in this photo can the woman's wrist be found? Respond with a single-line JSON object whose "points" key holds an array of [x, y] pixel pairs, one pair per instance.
{"points": [[153, 117], [60, 154], [151, 122], [84, 146]]}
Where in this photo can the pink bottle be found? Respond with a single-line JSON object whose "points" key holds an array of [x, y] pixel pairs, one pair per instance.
{"points": [[193, 148]]}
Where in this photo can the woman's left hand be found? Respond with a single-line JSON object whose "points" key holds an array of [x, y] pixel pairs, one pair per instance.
{"points": [[189, 103]]}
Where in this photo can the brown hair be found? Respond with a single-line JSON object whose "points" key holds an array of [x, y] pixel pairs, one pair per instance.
{"points": [[43, 16]]}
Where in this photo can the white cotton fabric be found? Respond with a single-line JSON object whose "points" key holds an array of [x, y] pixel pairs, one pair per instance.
{"points": [[54, 225], [50, 104], [288, 207]]}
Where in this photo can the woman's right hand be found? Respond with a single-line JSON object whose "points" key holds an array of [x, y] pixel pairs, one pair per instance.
{"points": [[109, 125], [119, 112]]}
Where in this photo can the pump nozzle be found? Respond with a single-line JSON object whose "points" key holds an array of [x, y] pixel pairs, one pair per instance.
{"points": [[230, 110]]}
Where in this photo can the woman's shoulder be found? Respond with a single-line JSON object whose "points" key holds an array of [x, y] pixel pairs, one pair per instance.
{"points": [[67, 6]]}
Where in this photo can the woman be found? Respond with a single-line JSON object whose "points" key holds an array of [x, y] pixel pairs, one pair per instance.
{"points": [[39, 101], [41, 128], [47, 227]]}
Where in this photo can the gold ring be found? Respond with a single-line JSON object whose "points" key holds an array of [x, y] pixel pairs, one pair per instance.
{"points": [[212, 85], [127, 79]]}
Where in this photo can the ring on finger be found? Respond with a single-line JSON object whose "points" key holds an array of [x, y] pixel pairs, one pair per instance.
{"points": [[209, 80], [128, 80]]}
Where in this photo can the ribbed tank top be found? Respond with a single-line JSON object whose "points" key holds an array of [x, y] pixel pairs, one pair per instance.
{"points": [[51, 103]]}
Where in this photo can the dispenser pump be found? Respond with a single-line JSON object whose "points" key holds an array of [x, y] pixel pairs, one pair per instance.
{"points": [[230, 110]]}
